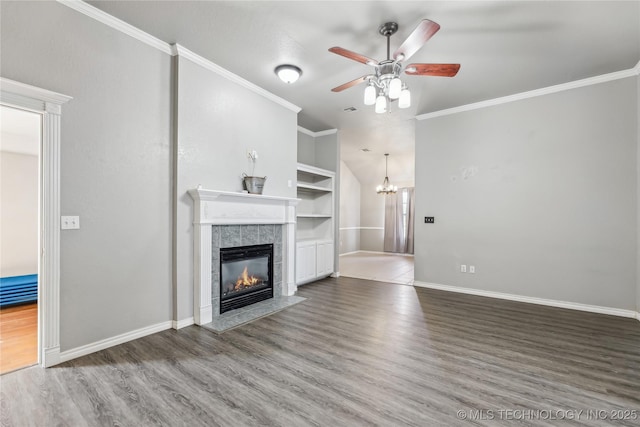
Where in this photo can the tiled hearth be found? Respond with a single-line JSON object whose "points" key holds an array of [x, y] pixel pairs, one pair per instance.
{"points": [[224, 220]]}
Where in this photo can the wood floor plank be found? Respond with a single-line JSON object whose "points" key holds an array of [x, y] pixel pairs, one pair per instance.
{"points": [[356, 352], [18, 337]]}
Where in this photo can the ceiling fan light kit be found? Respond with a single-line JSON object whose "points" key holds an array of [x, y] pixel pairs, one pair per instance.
{"points": [[288, 73], [370, 95], [385, 84], [381, 104], [405, 98]]}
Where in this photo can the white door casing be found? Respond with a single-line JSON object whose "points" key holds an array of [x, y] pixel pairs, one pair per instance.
{"points": [[49, 105]]}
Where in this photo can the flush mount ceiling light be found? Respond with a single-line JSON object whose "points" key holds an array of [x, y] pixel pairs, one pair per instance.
{"points": [[386, 187], [385, 85], [288, 73]]}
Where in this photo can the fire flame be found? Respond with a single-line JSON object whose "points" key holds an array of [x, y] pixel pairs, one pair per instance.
{"points": [[244, 280]]}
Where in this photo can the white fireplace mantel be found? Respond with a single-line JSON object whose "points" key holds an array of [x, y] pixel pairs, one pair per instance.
{"points": [[212, 207]]}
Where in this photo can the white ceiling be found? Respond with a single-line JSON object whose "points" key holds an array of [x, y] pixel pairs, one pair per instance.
{"points": [[19, 131], [504, 47]]}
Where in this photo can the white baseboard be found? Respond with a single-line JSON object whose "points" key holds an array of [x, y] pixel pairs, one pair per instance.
{"points": [[113, 341], [50, 357], [377, 279], [377, 252], [532, 300], [335, 274], [179, 324]]}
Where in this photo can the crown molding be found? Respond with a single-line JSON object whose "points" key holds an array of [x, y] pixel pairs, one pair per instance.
{"points": [[118, 24], [183, 52], [316, 134], [326, 132], [306, 131], [28, 91], [174, 50], [533, 93]]}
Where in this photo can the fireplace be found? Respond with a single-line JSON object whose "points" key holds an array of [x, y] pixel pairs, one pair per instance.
{"points": [[224, 219], [246, 276]]}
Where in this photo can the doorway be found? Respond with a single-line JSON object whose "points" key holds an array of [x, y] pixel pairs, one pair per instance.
{"points": [[20, 157], [365, 218]]}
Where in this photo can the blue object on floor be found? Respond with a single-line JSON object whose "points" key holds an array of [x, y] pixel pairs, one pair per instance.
{"points": [[18, 290]]}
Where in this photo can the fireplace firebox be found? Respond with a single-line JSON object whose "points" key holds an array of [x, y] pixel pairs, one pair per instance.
{"points": [[246, 276]]}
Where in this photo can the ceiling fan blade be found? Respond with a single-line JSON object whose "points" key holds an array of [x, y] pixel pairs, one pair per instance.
{"points": [[423, 32], [441, 70], [351, 83], [352, 55]]}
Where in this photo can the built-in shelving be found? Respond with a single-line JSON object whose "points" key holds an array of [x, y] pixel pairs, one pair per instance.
{"points": [[315, 223], [313, 188]]}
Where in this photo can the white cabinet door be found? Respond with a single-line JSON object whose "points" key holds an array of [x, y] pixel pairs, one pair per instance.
{"points": [[324, 254], [305, 261]]}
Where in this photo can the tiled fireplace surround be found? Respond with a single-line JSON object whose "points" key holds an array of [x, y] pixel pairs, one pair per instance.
{"points": [[226, 219], [229, 236]]}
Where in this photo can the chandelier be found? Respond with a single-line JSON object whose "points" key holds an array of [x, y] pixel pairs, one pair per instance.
{"points": [[386, 187]]}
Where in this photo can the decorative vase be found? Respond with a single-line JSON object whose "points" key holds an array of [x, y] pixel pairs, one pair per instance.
{"points": [[253, 184]]}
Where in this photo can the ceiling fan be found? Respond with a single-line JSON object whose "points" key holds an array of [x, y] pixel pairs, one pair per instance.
{"points": [[385, 84]]}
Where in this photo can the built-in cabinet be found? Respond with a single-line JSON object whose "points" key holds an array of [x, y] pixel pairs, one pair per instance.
{"points": [[315, 223]]}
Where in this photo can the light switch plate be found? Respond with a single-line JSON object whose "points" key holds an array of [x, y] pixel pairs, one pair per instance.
{"points": [[69, 222]]}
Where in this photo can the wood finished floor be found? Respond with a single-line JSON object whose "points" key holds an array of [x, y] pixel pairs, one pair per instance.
{"points": [[354, 353], [18, 337]]}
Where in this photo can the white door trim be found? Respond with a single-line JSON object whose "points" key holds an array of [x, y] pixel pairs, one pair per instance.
{"points": [[49, 105]]}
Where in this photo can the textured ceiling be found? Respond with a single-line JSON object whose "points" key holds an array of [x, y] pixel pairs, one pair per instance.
{"points": [[505, 47]]}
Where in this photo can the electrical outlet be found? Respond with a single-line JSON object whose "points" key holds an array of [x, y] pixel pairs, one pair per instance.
{"points": [[429, 220], [472, 269], [463, 268], [69, 222]]}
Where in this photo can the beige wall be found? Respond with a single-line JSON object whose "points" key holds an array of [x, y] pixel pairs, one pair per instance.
{"points": [[18, 214]]}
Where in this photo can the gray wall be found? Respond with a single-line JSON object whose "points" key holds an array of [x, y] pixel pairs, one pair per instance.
{"points": [[327, 156], [218, 121], [327, 153], [18, 214], [372, 220], [539, 194], [306, 149], [115, 165], [638, 198], [349, 211]]}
